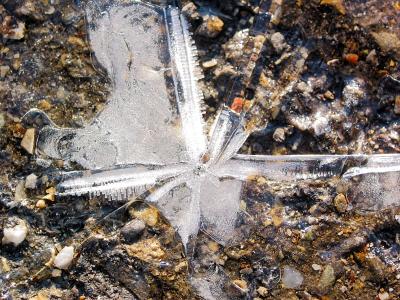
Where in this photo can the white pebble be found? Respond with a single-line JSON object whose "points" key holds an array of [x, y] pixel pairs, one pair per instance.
{"points": [[291, 278], [316, 267], [15, 235], [64, 258], [31, 181]]}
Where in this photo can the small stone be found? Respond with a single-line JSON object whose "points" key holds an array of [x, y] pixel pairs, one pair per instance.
{"points": [[133, 230], [4, 71], [372, 58], [211, 27], [15, 235], [41, 204], [56, 273], [397, 218], [327, 278], [4, 265], [336, 4], [31, 181], [291, 278], [351, 58], [20, 194], [262, 291], [397, 105], [241, 285], [329, 95], [209, 63], [340, 203], [383, 296], [28, 141], [316, 267], [278, 42], [279, 135], [64, 258], [51, 194]]}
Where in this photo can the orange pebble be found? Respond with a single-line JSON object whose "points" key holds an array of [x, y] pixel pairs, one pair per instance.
{"points": [[351, 58], [237, 105]]}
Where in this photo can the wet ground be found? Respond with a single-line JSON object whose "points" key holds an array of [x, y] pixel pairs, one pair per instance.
{"points": [[329, 84]]}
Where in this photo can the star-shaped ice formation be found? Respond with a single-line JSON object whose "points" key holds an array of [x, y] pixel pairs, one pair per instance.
{"points": [[151, 135]]}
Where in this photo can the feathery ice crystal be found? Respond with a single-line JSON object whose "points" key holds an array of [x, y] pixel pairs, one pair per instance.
{"points": [[151, 134]]}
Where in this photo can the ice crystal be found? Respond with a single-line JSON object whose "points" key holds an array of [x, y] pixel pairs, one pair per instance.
{"points": [[151, 135]]}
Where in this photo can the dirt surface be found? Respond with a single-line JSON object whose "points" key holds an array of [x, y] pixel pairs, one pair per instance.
{"points": [[329, 84]]}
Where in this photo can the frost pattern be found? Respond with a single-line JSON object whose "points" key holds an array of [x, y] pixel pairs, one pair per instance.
{"points": [[149, 141]]}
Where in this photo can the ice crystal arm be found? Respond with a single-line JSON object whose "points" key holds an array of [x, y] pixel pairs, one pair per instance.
{"points": [[227, 136], [186, 75], [293, 167], [117, 183]]}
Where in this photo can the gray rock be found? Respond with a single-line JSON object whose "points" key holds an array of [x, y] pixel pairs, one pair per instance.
{"points": [[31, 181], [133, 230], [278, 42], [291, 278], [327, 278]]}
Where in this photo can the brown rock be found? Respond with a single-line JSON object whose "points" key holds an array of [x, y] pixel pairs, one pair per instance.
{"points": [[28, 141]]}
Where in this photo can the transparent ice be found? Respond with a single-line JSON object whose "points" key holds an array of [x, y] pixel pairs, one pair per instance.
{"points": [[151, 136]]}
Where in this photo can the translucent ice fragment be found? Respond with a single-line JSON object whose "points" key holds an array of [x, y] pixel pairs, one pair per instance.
{"points": [[153, 115]]}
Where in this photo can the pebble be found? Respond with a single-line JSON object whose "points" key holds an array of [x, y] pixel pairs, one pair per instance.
{"points": [[351, 58], [4, 265], [329, 95], [316, 267], [383, 296], [278, 42], [31, 181], [28, 141], [340, 203], [372, 58], [20, 194], [133, 230], [262, 291], [15, 235], [397, 105], [279, 135], [241, 285], [291, 278], [64, 258], [327, 278], [4, 71], [41, 204], [397, 218], [209, 63], [211, 27]]}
